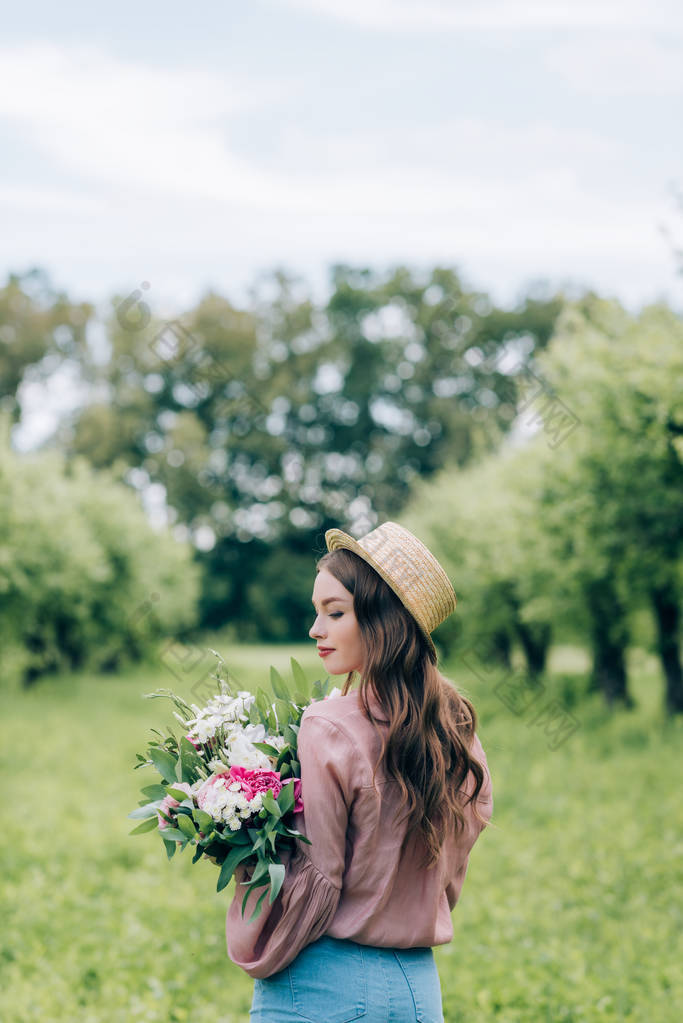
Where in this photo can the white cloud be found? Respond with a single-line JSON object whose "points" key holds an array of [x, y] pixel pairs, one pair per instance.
{"points": [[131, 125], [619, 66], [35, 198], [499, 15], [125, 130], [152, 189]]}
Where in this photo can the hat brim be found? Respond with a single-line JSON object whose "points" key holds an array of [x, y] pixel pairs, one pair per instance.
{"points": [[337, 539]]}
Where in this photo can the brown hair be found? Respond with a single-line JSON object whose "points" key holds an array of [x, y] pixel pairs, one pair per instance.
{"points": [[431, 724]]}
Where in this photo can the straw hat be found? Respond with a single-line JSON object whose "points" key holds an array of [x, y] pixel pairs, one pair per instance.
{"points": [[408, 567]]}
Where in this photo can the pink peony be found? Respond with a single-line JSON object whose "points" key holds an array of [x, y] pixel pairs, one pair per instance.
{"points": [[169, 801], [204, 788], [251, 781], [255, 780], [259, 780]]}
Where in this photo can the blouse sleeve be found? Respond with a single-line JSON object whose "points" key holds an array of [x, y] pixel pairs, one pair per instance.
{"points": [[308, 899]]}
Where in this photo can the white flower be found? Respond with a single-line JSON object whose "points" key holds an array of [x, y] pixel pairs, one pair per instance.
{"points": [[234, 824], [255, 733], [221, 710], [243, 754], [215, 799]]}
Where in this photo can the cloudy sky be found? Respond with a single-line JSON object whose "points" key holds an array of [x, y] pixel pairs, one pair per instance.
{"points": [[200, 147]]}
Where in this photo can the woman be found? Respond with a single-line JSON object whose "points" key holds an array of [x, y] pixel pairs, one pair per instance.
{"points": [[350, 935]]}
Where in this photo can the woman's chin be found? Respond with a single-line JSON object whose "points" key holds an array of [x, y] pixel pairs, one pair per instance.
{"points": [[337, 667]]}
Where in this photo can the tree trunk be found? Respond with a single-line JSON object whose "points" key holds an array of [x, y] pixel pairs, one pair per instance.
{"points": [[609, 634], [501, 648], [535, 640], [667, 616]]}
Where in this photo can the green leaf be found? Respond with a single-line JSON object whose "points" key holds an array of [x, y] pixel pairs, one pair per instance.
{"points": [[291, 736], [277, 876], [177, 794], [170, 849], [282, 756], [190, 761], [247, 893], [260, 872], [285, 800], [198, 853], [262, 704], [165, 763], [278, 684], [234, 857], [258, 906], [172, 834], [268, 803], [271, 751], [143, 812], [154, 791], [203, 819], [186, 825], [260, 842], [252, 886], [283, 710], [298, 834], [300, 681], [145, 826], [233, 837]]}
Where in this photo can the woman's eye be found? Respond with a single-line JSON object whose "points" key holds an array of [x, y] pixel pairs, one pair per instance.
{"points": [[336, 614]]}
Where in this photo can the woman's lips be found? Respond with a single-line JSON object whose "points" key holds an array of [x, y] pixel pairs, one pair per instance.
{"points": [[323, 652]]}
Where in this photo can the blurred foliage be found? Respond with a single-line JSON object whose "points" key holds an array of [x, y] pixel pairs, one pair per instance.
{"points": [[267, 426], [85, 581], [577, 536], [39, 330], [404, 397]]}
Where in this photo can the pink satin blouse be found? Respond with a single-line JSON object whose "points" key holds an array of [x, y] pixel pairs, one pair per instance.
{"points": [[360, 879]]}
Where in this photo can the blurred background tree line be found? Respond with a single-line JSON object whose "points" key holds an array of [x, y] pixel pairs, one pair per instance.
{"points": [[537, 450]]}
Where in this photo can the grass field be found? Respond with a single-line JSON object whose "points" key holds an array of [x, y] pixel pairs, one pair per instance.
{"points": [[571, 911]]}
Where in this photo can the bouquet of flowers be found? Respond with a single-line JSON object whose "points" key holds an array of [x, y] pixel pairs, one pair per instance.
{"points": [[231, 783]]}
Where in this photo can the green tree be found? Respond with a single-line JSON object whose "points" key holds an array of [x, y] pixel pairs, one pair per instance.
{"points": [[267, 427], [85, 581], [617, 482], [40, 329]]}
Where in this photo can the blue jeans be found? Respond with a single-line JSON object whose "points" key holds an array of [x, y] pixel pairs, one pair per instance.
{"points": [[335, 981]]}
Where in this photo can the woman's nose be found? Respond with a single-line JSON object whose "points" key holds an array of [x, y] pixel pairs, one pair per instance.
{"points": [[315, 630]]}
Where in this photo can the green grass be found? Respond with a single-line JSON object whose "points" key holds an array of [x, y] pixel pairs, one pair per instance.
{"points": [[571, 910]]}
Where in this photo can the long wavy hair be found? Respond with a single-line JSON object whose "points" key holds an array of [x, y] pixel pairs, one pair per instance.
{"points": [[431, 724]]}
